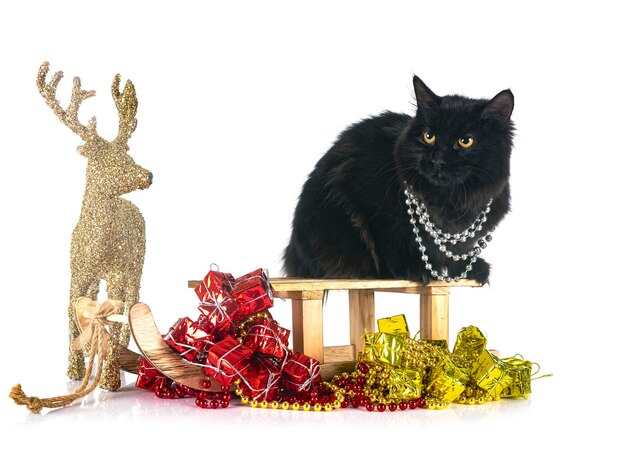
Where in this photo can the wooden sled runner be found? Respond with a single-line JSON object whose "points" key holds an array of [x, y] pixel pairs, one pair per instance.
{"points": [[306, 297]]}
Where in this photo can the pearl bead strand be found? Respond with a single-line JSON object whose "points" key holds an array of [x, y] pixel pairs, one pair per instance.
{"points": [[418, 214]]}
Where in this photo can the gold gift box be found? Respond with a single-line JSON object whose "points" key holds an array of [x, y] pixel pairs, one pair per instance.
{"points": [[394, 325], [470, 344], [405, 384], [448, 381], [383, 348], [521, 371], [491, 374]]}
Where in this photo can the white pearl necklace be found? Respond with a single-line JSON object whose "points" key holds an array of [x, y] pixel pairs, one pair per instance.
{"points": [[441, 238]]}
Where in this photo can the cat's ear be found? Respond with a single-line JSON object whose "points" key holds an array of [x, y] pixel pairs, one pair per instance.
{"points": [[425, 97], [500, 108]]}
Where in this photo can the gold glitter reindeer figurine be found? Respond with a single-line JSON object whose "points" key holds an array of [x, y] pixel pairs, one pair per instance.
{"points": [[109, 241]]}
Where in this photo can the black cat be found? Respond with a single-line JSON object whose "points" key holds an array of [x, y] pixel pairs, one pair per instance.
{"points": [[351, 220]]}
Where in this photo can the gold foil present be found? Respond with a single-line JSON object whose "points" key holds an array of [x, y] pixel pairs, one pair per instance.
{"points": [[520, 371], [448, 381], [470, 344], [383, 348], [492, 374], [394, 325], [369, 348], [404, 384]]}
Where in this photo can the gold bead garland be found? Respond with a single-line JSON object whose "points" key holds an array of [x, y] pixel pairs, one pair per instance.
{"points": [[298, 405]]}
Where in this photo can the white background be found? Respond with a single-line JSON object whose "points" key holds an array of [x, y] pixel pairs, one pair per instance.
{"points": [[237, 103]]}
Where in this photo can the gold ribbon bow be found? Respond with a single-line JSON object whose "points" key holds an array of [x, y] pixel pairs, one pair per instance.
{"points": [[91, 317]]}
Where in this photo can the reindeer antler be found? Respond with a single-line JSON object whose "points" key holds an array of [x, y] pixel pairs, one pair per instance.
{"points": [[126, 103], [68, 117]]}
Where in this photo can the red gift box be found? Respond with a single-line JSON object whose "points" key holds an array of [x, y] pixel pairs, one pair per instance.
{"points": [[216, 302], [214, 284], [188, 338], [283, 334], [267, 338], [261, 379], [226, 360], [149, 377], [253, 292], [301, 373], [218, 316]]}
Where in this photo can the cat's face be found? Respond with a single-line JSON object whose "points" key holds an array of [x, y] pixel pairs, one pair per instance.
{"points": [[456, 141]]}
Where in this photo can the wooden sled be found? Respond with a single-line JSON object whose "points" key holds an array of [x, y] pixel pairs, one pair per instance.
{"points": [[306, 297]]}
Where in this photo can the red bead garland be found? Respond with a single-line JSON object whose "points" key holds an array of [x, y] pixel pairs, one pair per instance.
{"points": [[344, 391]]}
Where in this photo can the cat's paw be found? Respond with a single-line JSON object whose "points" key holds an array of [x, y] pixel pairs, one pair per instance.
{"points": [[480, 271]]}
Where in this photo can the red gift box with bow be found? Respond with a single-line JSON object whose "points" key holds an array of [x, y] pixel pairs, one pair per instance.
{"points": [[268, 338], [214, 284], [219, 309], [253, 292], [219, 316], [261, 379], [188, 338], [226, 360], [301, 373]]}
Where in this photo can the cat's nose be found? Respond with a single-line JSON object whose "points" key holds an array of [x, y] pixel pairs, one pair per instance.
{"points": [[438, 162]]}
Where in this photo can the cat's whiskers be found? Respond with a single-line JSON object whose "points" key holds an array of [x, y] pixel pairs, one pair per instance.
{"points": [[451, 196], [396, 176], [391, 165], [467, 208]]}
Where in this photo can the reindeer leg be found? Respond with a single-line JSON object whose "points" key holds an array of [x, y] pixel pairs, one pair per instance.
{"points": [[79, 287], [111, 380], [75, 358], [132, 297]]}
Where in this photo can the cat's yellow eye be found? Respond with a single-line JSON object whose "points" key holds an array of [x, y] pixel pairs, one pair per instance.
{"points": [[466, 142], [429, 137]]}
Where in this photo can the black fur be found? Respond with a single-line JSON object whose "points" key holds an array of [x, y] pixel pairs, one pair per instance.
{"points": [[351, 219]]}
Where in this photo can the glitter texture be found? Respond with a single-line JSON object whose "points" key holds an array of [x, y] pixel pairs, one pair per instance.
{"points": [[109, 241]]}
